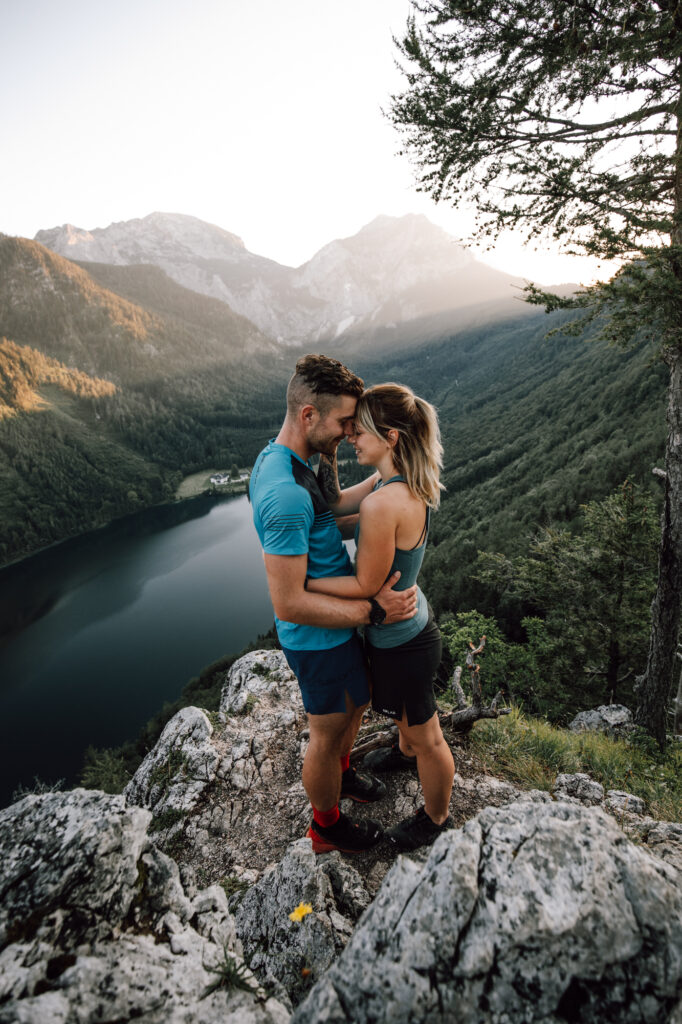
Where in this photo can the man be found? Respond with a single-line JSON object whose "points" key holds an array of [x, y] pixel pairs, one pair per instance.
{"points": [[295, 513]]}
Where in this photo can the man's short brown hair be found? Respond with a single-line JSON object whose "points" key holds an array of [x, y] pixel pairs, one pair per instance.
{"points": [[319, 380]]}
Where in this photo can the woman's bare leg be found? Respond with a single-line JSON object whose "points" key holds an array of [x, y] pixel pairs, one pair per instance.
{"points": [[435, 765]]}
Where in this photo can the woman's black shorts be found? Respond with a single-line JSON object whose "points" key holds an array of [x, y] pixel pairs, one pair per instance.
{"points": [[402, 677]]}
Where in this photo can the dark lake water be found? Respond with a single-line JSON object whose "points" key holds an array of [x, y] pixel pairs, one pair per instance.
{"points": [[98, 632]]}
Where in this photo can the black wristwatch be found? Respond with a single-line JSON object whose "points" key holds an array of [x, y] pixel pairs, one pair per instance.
{"points": [[377, 614]]}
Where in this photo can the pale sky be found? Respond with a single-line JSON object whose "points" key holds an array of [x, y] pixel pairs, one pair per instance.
{"points": [[260, 116]]}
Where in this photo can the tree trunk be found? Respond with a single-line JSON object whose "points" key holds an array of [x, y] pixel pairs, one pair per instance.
{"points": [[654, 687], [677, 727]]}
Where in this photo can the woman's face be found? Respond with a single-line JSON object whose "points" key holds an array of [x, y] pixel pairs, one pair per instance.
{"points": [[369, 449]]}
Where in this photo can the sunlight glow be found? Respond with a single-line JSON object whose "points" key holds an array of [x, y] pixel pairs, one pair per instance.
{"points": [[265, 119]]}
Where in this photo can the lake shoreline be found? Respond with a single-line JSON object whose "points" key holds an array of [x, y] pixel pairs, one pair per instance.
{"points": [[190, 486], [103, 630]]}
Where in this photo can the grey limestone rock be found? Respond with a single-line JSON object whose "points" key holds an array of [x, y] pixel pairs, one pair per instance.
{"points": [[214, 777], [578, 787], [174, 775], [290, 955], [95, 924], [621, 802], [612, 719], [257, 675], [529, 913]]}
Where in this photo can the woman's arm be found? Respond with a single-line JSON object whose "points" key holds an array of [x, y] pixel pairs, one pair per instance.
{"points": [[375, 554]]}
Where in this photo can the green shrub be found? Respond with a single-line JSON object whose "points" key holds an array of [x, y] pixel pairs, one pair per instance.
{"points": [[105, 769]]}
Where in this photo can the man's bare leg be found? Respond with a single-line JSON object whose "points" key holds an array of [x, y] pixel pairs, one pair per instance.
{"points": [[353, 725], [322, 762]]}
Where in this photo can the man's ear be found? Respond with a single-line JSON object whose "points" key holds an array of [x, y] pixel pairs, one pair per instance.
{"points": [[307, 415]]}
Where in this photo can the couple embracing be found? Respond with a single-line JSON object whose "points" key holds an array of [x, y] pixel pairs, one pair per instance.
{"points": [[320, 601]]}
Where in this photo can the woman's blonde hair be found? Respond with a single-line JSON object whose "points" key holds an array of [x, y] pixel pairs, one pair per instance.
{"points": [[418, 453]]}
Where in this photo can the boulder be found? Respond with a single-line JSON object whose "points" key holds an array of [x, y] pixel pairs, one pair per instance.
{"points": [[530, 912], [95, 924], [612, 719], [620, 802], [578, 787], [289, 956], [258, 675]]}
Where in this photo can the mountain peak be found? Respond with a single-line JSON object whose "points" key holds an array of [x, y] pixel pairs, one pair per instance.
{"points": [[149, 239], [393, 270]]}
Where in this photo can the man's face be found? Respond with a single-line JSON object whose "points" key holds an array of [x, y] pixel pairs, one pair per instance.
{"points": [[331, 429]]}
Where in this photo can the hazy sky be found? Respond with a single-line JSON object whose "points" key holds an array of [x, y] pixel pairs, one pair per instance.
{"points": [[260, 116]]}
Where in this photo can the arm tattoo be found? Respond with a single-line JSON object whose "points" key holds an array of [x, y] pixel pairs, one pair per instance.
{"points": [[327, 478]]}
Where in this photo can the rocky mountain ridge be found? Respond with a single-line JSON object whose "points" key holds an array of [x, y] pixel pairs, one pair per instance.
{"points": [[536, 909], [393, 271]]}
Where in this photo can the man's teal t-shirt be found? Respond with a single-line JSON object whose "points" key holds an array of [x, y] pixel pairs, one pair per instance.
{"points": [[292, 517]]}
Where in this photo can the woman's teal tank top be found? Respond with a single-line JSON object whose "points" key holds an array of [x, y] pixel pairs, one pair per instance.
{"points": [[409, 562]]}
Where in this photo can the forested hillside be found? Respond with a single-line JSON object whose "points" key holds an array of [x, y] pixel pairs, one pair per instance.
{"points": [[532, 428], [179, 385]]}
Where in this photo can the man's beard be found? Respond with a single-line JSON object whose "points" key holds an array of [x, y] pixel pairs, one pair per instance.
{"points": [[325, 445]]}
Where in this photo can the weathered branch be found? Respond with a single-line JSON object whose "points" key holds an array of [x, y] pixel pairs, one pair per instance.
{"points": [[464, 717], [462, 721], [457, 689], [377, 739]]}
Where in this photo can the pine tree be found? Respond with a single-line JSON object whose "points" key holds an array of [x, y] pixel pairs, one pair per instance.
{"points": [[564, 119]]}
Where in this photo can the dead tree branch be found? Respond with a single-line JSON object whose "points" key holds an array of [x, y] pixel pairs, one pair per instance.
{"points": [[465, 715], [376, 739]]}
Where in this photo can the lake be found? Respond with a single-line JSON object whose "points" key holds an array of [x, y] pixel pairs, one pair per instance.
{"points": [[96, 633]]}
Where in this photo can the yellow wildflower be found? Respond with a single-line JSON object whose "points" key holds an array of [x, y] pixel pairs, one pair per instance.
{"points": [[301, 910]]}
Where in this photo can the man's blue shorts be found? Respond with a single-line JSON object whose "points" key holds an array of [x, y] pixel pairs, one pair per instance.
{"points": [[326, 676]]}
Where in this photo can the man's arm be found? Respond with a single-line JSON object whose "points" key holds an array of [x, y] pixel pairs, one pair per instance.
{"points": [[347, 524], [293, 603], [346, 502]]}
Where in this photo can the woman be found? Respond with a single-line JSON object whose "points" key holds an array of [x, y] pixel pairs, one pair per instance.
{"points": [[398, 434]]}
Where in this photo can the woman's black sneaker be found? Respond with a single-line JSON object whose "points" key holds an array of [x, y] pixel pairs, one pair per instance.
{"points": [[417, 831], [388, 759], [361, 787], [345, 835]]}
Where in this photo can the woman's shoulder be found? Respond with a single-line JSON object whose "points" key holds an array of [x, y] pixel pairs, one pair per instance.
{"points": [[379, 500]]}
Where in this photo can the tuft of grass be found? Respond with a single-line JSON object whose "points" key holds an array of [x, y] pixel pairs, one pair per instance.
{"points": [[531, 753], [105, 769], [232, 884], [214, 718], [162, 774], [231, 974], [249, 704], [166, 819], [37, 788]]}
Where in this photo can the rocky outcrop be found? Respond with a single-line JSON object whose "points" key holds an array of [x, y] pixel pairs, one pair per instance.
{"points": [[96, 924], [224, 787], [532, 912], [612, 719], [539, 908], [289, 955], [221, 782]]}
